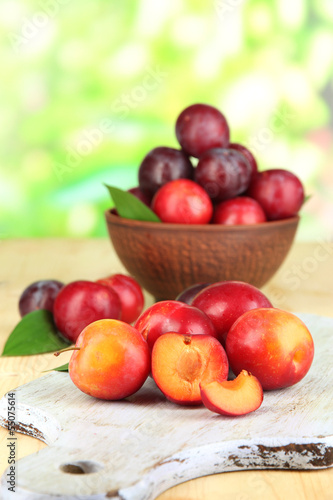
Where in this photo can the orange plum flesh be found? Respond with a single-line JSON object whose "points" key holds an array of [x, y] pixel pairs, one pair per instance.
{"points": [[181, 362], [235, 397]]}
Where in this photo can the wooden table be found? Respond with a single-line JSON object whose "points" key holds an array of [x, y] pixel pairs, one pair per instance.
{"points": [[303, 284]]}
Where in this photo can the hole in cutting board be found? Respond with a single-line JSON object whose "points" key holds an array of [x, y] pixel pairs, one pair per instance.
{"points": [[81, 467]]}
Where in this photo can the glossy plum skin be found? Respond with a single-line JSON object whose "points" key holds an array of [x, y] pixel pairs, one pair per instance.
{"points": [[39, 295], [239, 210], [173, 316], [113, 360], [224, 302], [182, 202], [200, 127], [274, 345], [130, 295], [278, 191], [223, 173], [248, 155], [80, 303], [189, 293], [181, 362], [162, 165]]}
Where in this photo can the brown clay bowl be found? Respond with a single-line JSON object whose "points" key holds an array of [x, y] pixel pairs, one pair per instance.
{"points": [[167, 258]]}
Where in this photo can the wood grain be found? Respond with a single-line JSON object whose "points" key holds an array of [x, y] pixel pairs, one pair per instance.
{"points": [[304, 284]]}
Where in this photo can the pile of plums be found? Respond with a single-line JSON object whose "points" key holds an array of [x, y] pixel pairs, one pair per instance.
{"points": [[225, 186], [81, 302], [188, 345]]}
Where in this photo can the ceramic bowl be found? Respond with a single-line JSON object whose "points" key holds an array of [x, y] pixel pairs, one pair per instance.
{"points": [[167, 258]]}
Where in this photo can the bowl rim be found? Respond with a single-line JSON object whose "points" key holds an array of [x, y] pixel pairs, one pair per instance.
{"points": [[167, 226]]}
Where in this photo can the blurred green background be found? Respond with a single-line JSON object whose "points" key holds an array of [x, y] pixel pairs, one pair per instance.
{"points": [[88, 87]]}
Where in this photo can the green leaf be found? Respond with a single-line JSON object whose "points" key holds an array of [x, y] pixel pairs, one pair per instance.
{"points": [[36, 333], [62, 368], [130, 207]]}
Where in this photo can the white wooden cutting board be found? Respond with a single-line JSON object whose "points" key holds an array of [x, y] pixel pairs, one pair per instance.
{"points": [[136, 448]]}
